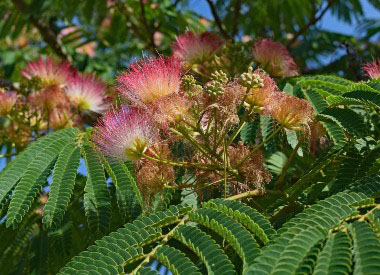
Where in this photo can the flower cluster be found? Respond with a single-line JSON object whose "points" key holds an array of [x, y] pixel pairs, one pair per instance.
{"points": [[52, 95], [204, 114], [169, 114]]}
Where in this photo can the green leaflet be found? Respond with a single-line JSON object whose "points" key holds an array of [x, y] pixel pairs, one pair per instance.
{"points": [[330, 87], [65, 171], [237, 236], [268, 126], [147, 271], [201, 244], [249, 131], [128, 169], [335, 132], [175, 261], [347, 119], [124, 180], [335, 256], [316, 100], [366, 249], [96, 198], [308, 262], [250, 218], [34, 177]]}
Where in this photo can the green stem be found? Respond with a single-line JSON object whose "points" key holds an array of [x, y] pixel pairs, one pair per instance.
{"points": [[178, 164], [260, 145], [165, 239], [279, 183], [256, 193]]}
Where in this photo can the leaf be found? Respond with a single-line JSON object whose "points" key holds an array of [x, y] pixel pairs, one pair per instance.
{"points": [[335, 256], [366, 249], [335, 132], [316, 100], [347, 119], [124, 180], [64, 175], [175, 261], [249, 131], [237, 236], [268, 126], [96, 198], [250, 218], [207, 250]]}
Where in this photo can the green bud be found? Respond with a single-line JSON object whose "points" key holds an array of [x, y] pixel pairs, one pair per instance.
{"points": [[251, 80], [219, 76]]}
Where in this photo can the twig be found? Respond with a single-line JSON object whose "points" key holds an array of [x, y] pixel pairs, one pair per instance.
{"points": [[9, 84], [279, 184], [259, 146], [135, 28], [313, 20], [165, 239], [218, 21], [256, 193], [48, 34], [235, 19]]}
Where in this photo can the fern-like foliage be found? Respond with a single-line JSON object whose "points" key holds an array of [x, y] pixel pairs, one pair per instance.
{"points": [[327, 237]]}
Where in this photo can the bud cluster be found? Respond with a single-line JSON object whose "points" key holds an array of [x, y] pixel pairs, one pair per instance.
{"points": [[216, 86], [251, 80]]}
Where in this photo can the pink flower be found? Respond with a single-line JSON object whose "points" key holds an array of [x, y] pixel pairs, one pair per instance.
{"points": [[124, 133], [87, 93], [50, 72], [291, 112], [7, 101], [171, 109], [274, 58], [196, 48], [372, 70], [48, 98], [150, 79]]}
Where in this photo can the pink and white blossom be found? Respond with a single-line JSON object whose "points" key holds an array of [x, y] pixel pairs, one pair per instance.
{"points": [[372, 70], [274, 58], [150, 79], [87, 93], [49, 71], [7, 101], [124, 133], [195, 48]]}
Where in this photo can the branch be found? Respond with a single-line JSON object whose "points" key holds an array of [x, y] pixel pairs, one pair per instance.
{"points": [[9, 84], [218, 21], [313, 20], [235, 19], [135, 28], [48, 35]]}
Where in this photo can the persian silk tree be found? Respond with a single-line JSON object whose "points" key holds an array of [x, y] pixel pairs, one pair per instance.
{"points": [[195, 161]]}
